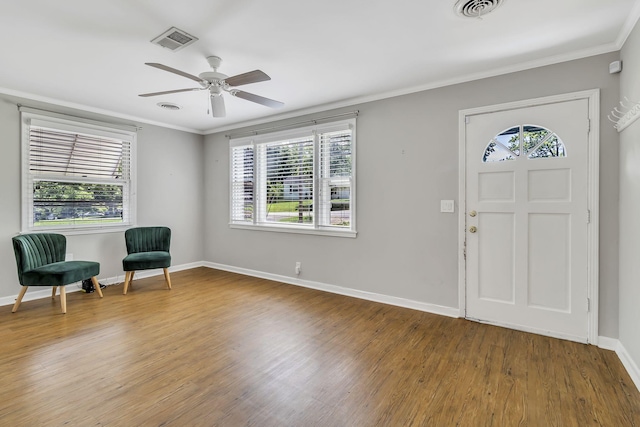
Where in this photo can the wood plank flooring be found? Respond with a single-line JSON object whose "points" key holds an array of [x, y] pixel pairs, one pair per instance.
{"points": [[221, 349]]}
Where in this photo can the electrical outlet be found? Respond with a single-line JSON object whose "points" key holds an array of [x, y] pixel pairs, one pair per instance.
{"points": [[298, 267]]}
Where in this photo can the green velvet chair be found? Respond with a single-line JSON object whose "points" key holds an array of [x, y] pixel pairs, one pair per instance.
{"points": [[40, 260], [147, 248]]}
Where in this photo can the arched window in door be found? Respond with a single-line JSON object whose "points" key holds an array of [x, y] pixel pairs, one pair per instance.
{"points": [[534, 142]]}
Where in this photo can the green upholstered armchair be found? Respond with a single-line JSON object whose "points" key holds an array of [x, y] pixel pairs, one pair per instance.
{"points": [[40, 260], [147, 248]]}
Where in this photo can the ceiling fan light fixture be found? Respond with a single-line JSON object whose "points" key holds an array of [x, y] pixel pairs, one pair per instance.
{"points": [[217, 105]]}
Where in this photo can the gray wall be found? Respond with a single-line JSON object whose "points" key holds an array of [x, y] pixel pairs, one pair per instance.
{"points": [[170, 187], [630, 204], [407, 161]]}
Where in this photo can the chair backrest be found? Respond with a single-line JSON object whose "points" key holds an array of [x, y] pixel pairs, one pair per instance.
{"points": [[147, 239], [38, 249]]}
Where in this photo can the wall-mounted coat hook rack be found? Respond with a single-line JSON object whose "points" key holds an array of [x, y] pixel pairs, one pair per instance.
{"points": [[623, 118]]}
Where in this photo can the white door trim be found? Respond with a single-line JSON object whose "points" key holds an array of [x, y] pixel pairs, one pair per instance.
{"points": [[593, 196]]}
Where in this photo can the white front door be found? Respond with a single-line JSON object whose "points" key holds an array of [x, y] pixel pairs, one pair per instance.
{"points": [[527, 218]]}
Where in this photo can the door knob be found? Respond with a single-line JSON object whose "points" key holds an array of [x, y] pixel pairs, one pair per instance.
{"points": [[473, 213], [473, 229]]}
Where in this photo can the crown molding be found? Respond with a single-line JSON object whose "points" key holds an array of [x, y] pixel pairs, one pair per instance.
{"points": [[89, 109], [628, 25], [351, 102]]}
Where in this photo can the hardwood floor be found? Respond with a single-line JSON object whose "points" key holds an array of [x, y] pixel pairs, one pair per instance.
{"points": [[221, 349]]}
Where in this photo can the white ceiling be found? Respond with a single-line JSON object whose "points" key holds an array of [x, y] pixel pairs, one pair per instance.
{"points": [[322, 54]]}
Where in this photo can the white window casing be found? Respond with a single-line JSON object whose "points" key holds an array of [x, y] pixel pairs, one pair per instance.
{"points": [[77, 176], [298, 181]]}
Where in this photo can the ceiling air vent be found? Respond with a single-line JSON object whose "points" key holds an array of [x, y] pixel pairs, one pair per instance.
{"points": [[174, 39], [476, 8]]}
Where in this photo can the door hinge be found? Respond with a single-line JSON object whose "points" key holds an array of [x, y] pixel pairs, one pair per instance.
{"points": [[467, 120], [588, 216], [588, 305], [588, 125]]}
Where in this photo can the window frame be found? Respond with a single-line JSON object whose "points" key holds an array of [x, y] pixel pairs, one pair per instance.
{"points": [[84, 126], [522, 151], [313, 132]]}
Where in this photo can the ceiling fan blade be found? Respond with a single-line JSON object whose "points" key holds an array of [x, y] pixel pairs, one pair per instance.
{"points": [[170, 91], [217, 106], [254, 76], [174, 71], [257, 98]]}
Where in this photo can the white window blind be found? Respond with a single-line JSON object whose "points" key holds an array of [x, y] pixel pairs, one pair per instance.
{"points": [[335, 178], [77, 177], [242, 184], [300, 180]]}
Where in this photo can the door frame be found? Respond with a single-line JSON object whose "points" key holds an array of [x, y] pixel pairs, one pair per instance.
{"points": [[593, 196]]}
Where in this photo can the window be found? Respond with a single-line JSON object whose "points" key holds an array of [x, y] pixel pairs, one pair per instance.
{"points": [[534, 141], [300, 180], [76, 175]]}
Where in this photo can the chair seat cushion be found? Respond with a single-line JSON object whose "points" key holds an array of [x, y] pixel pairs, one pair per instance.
{"points": [[60, 273], [146, 261]]}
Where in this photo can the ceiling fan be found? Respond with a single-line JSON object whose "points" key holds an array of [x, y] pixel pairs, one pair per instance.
{"points": [[217, 83]]}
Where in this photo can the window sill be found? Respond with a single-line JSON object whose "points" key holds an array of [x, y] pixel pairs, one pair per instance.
{"points": [[68, 231], [296, 230]]}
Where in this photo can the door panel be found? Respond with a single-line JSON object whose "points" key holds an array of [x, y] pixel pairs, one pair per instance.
{"points": [[549, 265], [496, 263], [496, 186], [550, 185]]}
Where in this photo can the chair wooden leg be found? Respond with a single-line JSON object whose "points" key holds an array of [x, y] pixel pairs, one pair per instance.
{"points": [[128, 275], [96, 285], [19, 299], [167, 277], [53, 292], [63, 299]]}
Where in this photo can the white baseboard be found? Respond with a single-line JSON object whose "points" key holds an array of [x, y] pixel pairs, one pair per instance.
{"points": [[157, 272], [369, 296], [628, 363], [36, 292], [608, 343]]}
